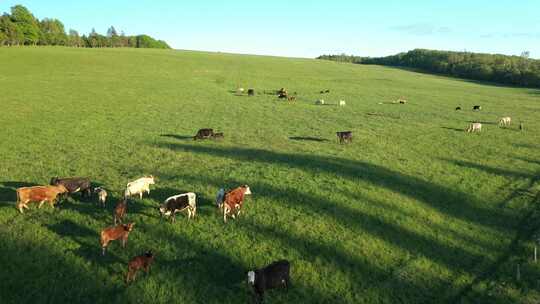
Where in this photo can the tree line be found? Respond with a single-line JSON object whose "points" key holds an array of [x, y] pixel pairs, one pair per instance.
{"points": [[513, 70], [22, 28]]}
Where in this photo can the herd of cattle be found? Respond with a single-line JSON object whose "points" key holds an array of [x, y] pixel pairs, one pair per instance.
{"points": [[477, 126], [229, 202]]}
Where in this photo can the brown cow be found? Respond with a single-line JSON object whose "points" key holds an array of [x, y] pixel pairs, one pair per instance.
{"points": [[39, 194], [139, 262], [120, 210], [114, 233], [232, 202]]}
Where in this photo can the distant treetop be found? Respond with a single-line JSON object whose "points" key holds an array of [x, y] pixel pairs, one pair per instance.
{"points": [[22, 28]]}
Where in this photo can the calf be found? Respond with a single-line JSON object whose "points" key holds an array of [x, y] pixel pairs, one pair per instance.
{"points": [[458, 108], [39, 194], [505, 121], [102, 195], [272, 276], [120, 210], [204, 134], [251, 92], [179, 203], [291, 98], [473, 127], [233, 200], [74, 184], [344, 136], [477, 108], [319, 102], [143, 261], [521, 126], [114, 233], [139, 186], [342, 103]]}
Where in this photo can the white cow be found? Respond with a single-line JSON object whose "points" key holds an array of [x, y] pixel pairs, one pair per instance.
{"points": [[342, 103], [102, 195], [139, 186], [505, 121], [475, 126]]}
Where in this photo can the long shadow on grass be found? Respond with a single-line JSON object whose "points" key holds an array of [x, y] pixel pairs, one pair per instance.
{"points": [[179, 137], [308, 138], [448, 201], [488, 169]]}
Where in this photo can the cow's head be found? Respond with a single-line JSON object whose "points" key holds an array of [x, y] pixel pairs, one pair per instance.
{"points": [[151, 180], [128, 227], [163, 210], [251, 277], [246, 189], [62, 189], [54, 181]]}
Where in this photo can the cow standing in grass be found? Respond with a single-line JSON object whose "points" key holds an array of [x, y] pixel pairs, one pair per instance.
{"points": [[143, 262], [233, 200], [114, 233], [272, 276], [74, 184], [344, 136], [139, 186], [39, 194], [120, 211], [102, 195], [474, 127], [179, 203], [505, 121]]}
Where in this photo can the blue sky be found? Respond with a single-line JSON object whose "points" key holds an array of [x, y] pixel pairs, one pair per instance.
{"points": [[309, 28]]}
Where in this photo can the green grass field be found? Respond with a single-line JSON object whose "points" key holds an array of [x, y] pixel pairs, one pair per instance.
{"points": [[415, 210]]}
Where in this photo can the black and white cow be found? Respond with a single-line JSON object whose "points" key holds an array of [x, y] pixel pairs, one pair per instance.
{"points": [[179, 203], [477, 108], [272, 276]]}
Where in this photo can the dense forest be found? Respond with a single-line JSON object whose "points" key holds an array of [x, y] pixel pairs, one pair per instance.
{"points": [[22, 28], [514, 70]]}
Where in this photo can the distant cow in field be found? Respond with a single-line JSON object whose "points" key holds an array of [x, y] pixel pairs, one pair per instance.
{"points": [[179, 203], [505, 121], [291, 98], [39, 194], [240, 91], [102, 195], [114, 233], [521, 126], [477, 108], [74, 184], [139, 186], [143, 262], [319, 102], [251, 92], [458, 108], [233, 200], [342, 103], [204, 134], [220, 197], [120, 211], [272, 276], [474, 127], [344, 136], [218, 135]]}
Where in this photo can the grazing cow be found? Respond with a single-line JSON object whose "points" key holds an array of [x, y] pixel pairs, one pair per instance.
{"points": [[272, 276], [477, 108], [139, 186], [342, 103], [120, 211], [240, 91], [291, 98], [179, 203], [114, 233], [218, 135], [344, 136], [102, 195], [319, 102], [505, 121], [327, 91], [458, 108], [251, 92], [322, 92], [204, 134], [143, 261], [74, 184], [39, 194], [473, 127], [232, 203], [220, 197]]}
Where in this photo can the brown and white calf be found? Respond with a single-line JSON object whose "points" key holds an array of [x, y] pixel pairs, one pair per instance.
{"points": [[344, 136], [233, 200], [114, 233], [143, 262], [38, 194], [179, 203]]}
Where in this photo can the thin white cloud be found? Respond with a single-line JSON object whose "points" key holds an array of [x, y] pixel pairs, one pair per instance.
{"points": [[422, 29]]}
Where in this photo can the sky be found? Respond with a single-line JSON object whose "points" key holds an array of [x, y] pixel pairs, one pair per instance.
{"points": [[305, 28]]}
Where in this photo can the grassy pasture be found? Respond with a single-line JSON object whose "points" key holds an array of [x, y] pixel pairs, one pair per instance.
{"points": [[414, 211]]}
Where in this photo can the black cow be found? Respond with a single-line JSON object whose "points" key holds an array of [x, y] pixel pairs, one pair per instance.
{"points": [[251, 92], [344, 136], [74, 184], [272, 276], [458, 108], [204, 134], [178, 203], [477, 108]]}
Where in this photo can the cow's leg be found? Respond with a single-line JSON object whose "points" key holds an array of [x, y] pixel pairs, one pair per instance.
{"points": [[140, 195], [41, 203], [103, 249], [124, 242], [21, 207]]}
